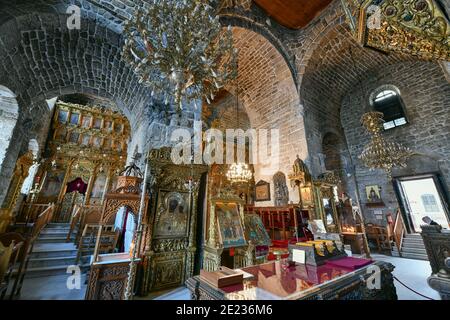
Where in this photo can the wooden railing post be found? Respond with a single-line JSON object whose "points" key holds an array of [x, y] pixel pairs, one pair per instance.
{"points": [[399, 231]]}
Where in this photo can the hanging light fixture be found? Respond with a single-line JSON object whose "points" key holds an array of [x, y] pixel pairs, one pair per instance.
{"points": [[179, 49], [238, 171], [380, 153]]}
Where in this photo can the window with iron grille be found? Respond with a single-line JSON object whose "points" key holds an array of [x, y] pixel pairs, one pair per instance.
{"points": [[390, 104]]}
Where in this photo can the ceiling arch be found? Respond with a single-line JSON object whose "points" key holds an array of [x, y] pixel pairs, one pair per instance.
{"points": [[337, 65], [269, 93], [50, 60]]}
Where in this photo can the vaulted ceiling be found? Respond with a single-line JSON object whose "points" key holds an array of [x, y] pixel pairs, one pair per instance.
{"points": [[293, 14]]}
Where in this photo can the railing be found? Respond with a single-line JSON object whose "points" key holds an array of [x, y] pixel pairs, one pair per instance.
{"points": [[82, 215], [42, 220], [29, 212], [399, 231], [74, 219]]}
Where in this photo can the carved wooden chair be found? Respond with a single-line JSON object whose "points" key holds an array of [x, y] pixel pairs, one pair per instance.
{"points": [[379, 236], [8, 261], [20, 258]]}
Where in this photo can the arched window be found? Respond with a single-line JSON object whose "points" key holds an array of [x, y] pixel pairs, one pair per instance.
{"points": [[390, 103], [9, 113], [33, 146]]}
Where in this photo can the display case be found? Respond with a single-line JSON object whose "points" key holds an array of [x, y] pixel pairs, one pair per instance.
{"points": [[278, 280]]}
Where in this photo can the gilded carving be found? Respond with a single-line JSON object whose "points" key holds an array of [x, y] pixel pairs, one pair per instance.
{"points": [[414, 27], [172, 224]]}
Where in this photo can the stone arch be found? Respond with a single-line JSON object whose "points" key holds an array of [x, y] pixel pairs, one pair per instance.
{"points": [[51, 60], [332, 18], [337, 66], [381, 88], [269, 96], [251, 23]]}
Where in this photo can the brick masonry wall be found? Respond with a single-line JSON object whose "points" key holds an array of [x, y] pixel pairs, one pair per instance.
{"points": [[271, 100], [426, 95], [293, 80]]}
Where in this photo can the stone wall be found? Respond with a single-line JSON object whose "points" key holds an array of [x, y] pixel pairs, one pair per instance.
{"points": [[272, 102], [426, 95]]}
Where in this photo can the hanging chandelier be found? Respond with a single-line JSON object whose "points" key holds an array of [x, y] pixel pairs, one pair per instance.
{"points": [[179, 50], [239, 173], [381, 153]]}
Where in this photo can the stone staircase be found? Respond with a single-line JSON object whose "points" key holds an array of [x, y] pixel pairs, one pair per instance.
{"points": [[52, 254], [412, 248]]}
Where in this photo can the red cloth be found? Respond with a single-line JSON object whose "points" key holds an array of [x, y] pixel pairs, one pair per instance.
{"points": [[349, 263], [77, 185]]}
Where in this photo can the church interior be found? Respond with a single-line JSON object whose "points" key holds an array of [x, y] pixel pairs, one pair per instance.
{"points": [[224, 150]]}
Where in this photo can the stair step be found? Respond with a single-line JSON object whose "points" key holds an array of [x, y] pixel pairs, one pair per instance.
{"points": [[52, 261], [53, 246], [51, 271], [57, 230], [57, 239], [57, 225], [414, 256], [413, 236], [54, 235], [53, 254], [414, 250], [412, 241]]}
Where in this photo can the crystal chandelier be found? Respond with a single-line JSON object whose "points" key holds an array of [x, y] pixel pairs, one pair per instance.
{"points": [[239, 173], [381, 153], [179, 50]]}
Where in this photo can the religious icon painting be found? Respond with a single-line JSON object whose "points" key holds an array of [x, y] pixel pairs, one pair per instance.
{"points": [[262, 191], [86, 122], [172, 215], [53, 183], [231, 232], [99, 186], [256, 231], [307, 197], [62, 116], [85, 139], [97, 142], [373, 194], [108, 125], [61, 134], [74, 118], [74, 137], [97, 123]]}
